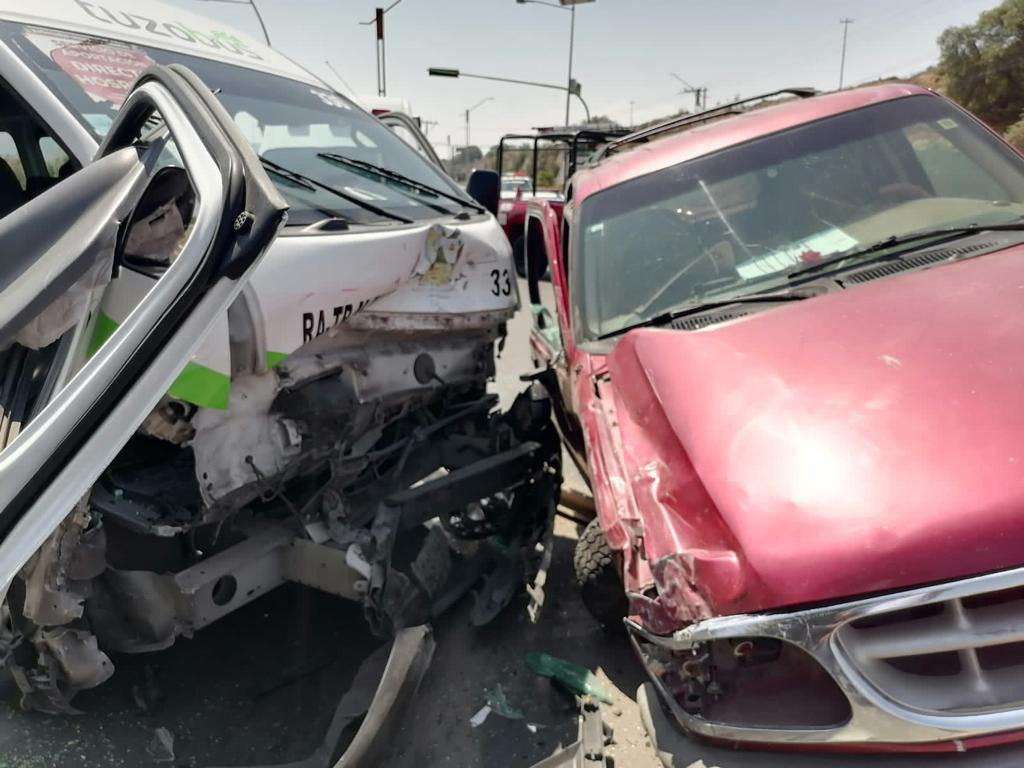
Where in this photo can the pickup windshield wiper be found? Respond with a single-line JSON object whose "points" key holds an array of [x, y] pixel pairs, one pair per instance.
{"points": [[308, 182], [399, 178], [675, 314], [941, 235]]}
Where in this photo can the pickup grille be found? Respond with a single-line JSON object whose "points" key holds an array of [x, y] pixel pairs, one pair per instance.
{"points": [[913, 262], [955, 657]]}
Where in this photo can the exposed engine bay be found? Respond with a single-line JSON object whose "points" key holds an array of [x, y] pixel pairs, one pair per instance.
{"points": [[371, 464]]}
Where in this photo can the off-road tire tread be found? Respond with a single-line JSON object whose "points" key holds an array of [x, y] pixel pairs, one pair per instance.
{"points": [[596, 570]]}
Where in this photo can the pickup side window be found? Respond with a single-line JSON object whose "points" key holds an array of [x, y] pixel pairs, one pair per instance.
{"points": [[537, 266]]}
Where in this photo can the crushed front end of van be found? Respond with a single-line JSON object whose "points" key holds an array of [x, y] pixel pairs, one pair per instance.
{"points": [[334, 428]]}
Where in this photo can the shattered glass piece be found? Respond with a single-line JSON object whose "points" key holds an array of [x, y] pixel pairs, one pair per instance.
{"points": [[577, 679], [498, 703]]}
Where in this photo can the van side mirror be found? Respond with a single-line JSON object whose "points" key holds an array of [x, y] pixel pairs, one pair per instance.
{"points": [[485, 188]]}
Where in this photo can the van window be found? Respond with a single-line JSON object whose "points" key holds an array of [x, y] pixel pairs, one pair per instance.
{"points": [[28, 151], [306, 134], [55, 159], [9, 154]]}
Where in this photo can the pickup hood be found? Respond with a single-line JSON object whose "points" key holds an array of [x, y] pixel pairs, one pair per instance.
{"points": [[862, 441]]}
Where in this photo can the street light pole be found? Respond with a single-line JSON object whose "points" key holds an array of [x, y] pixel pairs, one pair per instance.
{"points": [[574, 88], [478, 104], [565, 5], [572, 35]]}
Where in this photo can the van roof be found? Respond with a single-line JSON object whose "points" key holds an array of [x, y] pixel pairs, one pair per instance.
{"points": [[155, 24]]}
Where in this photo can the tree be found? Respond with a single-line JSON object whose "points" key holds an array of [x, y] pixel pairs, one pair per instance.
{"points": [[983, 64], [1015, 134]]}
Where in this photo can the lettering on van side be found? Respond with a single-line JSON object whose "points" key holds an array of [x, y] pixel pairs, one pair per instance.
{"points": [[316, 323], [217, 40]]}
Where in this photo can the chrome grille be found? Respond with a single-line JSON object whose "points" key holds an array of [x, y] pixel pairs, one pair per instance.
{"points": [[954, 657]]}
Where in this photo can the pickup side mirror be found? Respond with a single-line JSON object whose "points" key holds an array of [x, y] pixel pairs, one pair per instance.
{"points": [[485, 188]]}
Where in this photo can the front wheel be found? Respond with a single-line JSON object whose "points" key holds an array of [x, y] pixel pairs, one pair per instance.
{"points": [[595, 566]]}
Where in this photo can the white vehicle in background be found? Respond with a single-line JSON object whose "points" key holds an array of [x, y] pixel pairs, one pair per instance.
{"points": [[336, 413]]}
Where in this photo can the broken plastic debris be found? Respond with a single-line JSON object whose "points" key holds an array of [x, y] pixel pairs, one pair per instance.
{"points": [[478, 719], [498, 703], [161, 748], [574, 677]]}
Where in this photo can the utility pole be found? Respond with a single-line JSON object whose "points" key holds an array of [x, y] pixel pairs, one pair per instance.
{"points": [[842, 61], [378, 22], [631, 103], [700, 93], [427, 125], [382, 75]]}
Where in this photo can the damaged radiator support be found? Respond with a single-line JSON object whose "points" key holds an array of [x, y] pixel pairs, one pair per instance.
{"points": [[164, 606], [466, 509]]}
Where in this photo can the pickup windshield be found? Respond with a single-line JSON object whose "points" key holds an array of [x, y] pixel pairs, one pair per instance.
{"points": [[740, 220], [288, 122]]}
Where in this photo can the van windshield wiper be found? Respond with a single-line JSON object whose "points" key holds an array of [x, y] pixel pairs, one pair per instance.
{"points": [[675, 314], [308, 182], [395, 176], [941, 235]]}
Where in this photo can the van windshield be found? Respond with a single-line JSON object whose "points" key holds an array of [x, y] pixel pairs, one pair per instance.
{"points": [[289, 123]]}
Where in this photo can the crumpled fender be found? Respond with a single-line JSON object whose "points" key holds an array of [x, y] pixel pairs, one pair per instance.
{"points": [[646, 482]]}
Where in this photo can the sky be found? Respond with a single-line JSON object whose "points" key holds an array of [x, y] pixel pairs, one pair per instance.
{"points": [[624, 57]]}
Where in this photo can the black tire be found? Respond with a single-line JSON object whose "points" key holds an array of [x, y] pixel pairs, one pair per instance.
{"points": [[519, 256], [596, 568]]}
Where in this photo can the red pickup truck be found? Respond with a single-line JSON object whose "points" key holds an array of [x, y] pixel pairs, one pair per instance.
{"points": [[785, 345]]}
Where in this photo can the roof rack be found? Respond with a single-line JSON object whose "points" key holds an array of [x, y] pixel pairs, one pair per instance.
{"points": [[645, 134], [571, 138]]}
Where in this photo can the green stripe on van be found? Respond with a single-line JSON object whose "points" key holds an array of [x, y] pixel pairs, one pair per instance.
{"points": [[203, 386], [196, 384]]}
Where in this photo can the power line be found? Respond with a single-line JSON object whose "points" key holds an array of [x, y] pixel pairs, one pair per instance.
{"points": [[337, 74], [251, 4]]}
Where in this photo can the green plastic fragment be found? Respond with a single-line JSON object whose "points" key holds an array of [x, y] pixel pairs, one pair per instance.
{"points": [[577, 679]]}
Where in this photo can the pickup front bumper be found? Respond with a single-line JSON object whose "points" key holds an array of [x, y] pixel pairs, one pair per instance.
{"points": [[931, 669]]}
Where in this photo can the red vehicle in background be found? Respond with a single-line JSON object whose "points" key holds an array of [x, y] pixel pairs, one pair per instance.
{"points": [[785, 347], [572, 148]]}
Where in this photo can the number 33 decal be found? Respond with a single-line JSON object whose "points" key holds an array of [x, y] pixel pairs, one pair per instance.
{"points": [[502, 282]]}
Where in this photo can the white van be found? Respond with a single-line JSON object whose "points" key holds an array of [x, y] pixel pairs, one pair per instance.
{"points": [[336, 413]]}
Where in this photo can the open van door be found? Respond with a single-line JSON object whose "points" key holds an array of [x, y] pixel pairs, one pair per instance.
{"points": [[176, 200]]}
